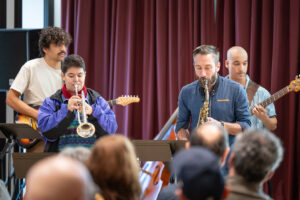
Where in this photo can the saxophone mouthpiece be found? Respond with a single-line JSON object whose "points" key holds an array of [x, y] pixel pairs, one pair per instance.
{"points": [[203, 81]]}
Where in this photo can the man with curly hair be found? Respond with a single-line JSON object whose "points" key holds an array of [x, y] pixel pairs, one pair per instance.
{"points": [[41, 77], [256, 155]]}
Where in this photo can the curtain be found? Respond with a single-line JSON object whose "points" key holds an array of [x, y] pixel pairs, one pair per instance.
{"points": [[144, 48]]}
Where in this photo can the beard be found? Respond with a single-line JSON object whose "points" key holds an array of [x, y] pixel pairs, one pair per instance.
{"points": [[210, 81]]}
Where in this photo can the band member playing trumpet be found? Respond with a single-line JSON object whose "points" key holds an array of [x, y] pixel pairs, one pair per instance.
{"points": [[228, 104], [57, 117]]}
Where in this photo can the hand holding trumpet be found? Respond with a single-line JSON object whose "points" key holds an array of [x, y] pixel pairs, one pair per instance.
{"points": [[75, 103]]}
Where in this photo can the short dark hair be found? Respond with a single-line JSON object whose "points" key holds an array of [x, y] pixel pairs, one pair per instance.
{"points": [[217, 146], [53, 35], [257, 152], [72, 61], [207, 49]]}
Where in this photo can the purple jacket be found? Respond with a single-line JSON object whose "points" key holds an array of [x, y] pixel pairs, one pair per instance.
{"points": [[54, 117]]}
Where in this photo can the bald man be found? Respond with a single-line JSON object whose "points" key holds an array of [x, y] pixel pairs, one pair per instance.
{"points": [[58, 178], [212, 136], [237, 64]]}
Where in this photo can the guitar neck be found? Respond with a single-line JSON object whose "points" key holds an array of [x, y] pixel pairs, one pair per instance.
{"points": [[112, 102], [275, 96]]}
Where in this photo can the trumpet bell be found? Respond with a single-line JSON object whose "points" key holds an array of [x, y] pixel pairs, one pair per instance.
{"points": [[86, 130]]}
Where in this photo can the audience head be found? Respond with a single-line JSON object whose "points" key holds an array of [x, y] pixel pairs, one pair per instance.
{"points": [[78, 153], [212, 136], [58, 178], [256, 155], [114, 167], [198, 174]]}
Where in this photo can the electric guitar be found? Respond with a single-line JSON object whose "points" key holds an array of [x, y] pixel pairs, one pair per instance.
{"points": [[293, 86], [23, 119], [124, 100]]}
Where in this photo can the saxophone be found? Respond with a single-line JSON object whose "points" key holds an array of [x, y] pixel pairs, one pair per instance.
{"points": [[203, 115]]}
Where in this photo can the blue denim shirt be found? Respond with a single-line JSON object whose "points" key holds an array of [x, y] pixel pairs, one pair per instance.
{"points": [[229, 103]]}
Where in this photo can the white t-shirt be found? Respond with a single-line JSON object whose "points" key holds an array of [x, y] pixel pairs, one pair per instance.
{"points": [[37, 80]]}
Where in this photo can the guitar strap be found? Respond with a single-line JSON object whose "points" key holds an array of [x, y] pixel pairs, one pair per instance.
{"points": [[251, 90]]}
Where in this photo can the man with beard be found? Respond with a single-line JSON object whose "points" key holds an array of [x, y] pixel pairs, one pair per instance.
{"points": [[40, 77], [228, 104], [237, 64]]}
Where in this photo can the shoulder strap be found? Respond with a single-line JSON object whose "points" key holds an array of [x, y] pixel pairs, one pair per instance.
{"points": [[251, 90]]}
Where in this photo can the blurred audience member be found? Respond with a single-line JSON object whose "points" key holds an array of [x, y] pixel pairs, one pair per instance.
{"points": [[58, 178], [115, 169], [78, 153], [255, 157], [198, 174]]}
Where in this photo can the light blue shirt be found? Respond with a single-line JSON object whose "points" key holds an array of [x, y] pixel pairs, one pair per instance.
{"points": [[260, 95]]}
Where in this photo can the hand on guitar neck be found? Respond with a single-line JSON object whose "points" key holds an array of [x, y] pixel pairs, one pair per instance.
{"points": [[293, 86]]}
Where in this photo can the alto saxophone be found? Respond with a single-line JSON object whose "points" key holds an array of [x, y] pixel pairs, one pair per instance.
{"points": [[203, 115]]}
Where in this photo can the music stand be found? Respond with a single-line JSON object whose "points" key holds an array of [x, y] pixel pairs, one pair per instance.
{"points": [[157, 150], [18, 131], [23, 162]]}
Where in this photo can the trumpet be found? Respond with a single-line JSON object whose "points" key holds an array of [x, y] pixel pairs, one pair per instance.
{"points": [[85, 129]]}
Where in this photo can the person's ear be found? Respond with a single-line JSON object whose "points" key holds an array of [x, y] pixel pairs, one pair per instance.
{"points": [[45, 50], [218, 67], [63, 77], [227, 64]]}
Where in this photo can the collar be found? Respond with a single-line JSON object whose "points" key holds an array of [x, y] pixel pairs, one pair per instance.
{"points": [[237, 183], [68, 94], [247, 80]]}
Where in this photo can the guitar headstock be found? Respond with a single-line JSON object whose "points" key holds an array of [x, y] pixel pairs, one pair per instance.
{"points": [[125, 100], [295, 84]]}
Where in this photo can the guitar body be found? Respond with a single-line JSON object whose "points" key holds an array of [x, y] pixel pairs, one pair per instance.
{"points": [[25, 142]]}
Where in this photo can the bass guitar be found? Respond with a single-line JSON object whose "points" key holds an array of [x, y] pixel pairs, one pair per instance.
{"points": [[293, 86], [23, 119]]}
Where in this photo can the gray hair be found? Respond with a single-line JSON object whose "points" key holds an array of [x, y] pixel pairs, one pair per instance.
{"points": [[257, 152], [218, 146], [207, 49], [78, 153]]}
